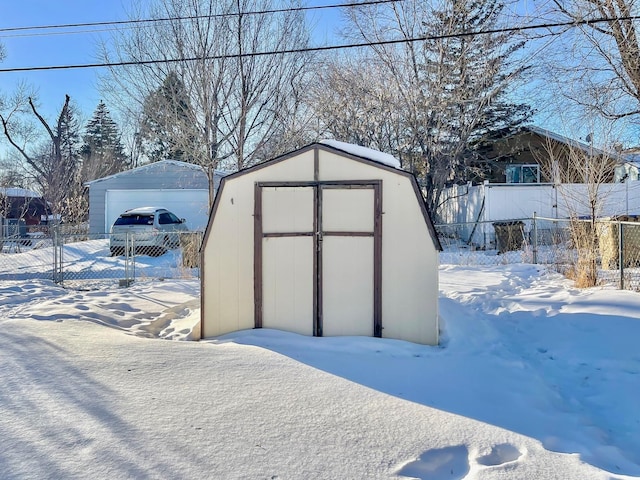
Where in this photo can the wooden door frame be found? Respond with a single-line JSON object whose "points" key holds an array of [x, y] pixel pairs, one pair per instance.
{"points": [[317, 234]]}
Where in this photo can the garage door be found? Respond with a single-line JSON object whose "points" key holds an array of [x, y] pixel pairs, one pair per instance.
{"points": [[192, 205]]}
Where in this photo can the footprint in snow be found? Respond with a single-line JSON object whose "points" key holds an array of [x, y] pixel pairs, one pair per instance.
{"points": [[500, 454], [451, 463]]}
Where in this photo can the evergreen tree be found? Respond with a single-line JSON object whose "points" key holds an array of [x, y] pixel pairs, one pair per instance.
{"points": [[166, 129], [450, 89], [471, 75], [67, 166], [102, 151], [68, 131]]}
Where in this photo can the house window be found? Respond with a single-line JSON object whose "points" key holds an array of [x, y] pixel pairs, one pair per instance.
{"points": [[523, 174]]}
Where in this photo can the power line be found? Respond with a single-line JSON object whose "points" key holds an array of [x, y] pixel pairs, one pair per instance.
{"points": [[571, 24], [191, 17]]}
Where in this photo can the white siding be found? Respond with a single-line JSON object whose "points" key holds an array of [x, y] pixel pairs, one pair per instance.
{"points": [[409, 269], [409, 256], [227, 269]]}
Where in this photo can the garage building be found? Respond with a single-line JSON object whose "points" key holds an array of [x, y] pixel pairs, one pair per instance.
{"points": [[180, 187], [332, 239]]}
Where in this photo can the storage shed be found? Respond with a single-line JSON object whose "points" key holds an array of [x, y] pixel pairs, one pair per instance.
{"points": [[332, 239], [178, 186]]}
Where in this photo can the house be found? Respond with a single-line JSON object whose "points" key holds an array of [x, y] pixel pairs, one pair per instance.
{"points": [[178, 186], [537, 172], [534, 155], [20, 208], [331, 239], [629, 168]]}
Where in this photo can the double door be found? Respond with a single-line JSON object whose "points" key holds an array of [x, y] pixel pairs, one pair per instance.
{"points": [[318, 257]]}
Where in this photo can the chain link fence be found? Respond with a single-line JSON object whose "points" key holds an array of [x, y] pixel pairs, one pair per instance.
{"points": [[559, 243], [70, 256]]}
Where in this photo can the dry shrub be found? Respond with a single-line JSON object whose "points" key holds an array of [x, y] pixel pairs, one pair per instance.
{"points": [[584, 271]]}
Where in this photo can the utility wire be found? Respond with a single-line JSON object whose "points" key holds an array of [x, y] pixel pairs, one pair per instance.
{"points": [[571, 24], [194, 17]]}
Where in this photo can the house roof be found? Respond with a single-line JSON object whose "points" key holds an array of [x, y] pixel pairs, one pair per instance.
{"points": [[631, 157], [585, 147], [155, 165], [505, 143], [18, 192]]}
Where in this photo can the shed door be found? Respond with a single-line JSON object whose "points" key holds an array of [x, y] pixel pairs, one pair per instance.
{"points": [[288, 231], [347, 267], [318, 268]]}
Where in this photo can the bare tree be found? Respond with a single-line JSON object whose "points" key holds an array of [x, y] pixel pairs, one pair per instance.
{"points": [[356, 105], [54, 164], [601, 58], [581, 174], [2, 57], [239, 87]]}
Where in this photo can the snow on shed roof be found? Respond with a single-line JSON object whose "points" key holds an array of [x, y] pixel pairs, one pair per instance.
{"points": [[360, 151]]}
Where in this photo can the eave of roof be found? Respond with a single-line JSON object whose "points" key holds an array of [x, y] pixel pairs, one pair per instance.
{"points": [[154, 165]]}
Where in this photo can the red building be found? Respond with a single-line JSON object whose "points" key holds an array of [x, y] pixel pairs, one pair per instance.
{"points": [[22, 204]]}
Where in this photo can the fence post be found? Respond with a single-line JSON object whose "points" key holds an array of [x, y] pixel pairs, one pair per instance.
{"points": [[129, 260], [58, 247], [621, 253], [535, 239], [54, 241]]}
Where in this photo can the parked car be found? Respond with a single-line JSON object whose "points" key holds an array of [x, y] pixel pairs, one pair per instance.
{"points": [[150, 230]]}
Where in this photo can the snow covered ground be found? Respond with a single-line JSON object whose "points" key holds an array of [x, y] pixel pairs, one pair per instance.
{"points": [[533, 380]]}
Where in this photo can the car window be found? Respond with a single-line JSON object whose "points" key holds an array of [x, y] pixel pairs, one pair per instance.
{"points": [[135, 220], [167, 217]]}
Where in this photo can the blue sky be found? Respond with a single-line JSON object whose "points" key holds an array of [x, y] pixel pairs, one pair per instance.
{"points": [[24, 49], [30, 49], [34, 48]]}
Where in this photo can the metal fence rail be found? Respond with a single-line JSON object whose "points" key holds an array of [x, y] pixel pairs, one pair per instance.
{"points": [[70, 256]]}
